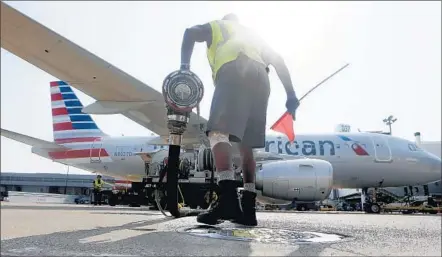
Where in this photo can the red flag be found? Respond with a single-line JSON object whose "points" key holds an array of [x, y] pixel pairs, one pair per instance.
{"points": [[285, 125]]}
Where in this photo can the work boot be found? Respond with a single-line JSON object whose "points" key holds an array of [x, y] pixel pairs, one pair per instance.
{"points": [[227, 207], [248, 203]]}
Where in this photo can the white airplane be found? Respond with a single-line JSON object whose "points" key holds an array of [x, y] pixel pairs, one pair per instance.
{"points": [[306, 170]]}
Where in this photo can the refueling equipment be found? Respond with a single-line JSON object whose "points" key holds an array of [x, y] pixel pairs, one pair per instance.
{"points": [[182, 91]]}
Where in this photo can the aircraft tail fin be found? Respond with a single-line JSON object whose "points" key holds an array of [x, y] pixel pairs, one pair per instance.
{"points": [[70, 124]]}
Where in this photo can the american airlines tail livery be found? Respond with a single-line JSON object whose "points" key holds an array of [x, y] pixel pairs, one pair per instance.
{"points": [[306, 170]]}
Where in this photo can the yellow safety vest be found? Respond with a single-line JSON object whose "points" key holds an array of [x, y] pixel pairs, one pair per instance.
{"points": [[229, 40], [98, 183]]}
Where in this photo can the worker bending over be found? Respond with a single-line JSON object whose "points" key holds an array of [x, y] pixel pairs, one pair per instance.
{"points": [[98, 184], [239, 60]]}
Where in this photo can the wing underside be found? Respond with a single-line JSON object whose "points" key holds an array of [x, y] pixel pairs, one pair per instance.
{"points": [[104, 82], [86, 72]]}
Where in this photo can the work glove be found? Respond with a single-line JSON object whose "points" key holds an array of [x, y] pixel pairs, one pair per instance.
{"points": [[292, 104]]}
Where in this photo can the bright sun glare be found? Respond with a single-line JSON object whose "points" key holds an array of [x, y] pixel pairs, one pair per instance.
{"points": [[294, 29]]}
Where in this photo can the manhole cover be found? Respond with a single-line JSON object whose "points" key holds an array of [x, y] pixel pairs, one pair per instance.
{"points": [[263, 235]]}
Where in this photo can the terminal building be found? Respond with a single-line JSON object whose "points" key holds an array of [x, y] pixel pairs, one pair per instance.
{"points": [[70, 184]]}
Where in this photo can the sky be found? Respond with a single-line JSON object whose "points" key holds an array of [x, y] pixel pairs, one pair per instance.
{"points": [[394, 51]]}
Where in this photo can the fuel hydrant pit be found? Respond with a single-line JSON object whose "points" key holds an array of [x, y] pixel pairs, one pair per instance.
{"points": [[263, 235]]}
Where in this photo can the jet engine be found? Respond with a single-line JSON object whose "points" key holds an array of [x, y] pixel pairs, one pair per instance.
{"points": [[300, 179]]}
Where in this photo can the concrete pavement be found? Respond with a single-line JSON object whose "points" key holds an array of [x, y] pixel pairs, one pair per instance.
{"points": [[84, 230]]}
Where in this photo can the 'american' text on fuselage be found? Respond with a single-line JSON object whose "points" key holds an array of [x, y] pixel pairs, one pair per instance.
{"points": [[305, 147]]}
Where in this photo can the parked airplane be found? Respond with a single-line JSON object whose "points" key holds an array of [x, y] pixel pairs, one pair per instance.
{"points": [[357, 159]]}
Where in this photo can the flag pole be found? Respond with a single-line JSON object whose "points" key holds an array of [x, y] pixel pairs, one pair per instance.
{"points": [[324, 80], [291, 134]]}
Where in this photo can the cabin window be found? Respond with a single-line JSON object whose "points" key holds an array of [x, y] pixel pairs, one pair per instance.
{"points": [[412, 147]]}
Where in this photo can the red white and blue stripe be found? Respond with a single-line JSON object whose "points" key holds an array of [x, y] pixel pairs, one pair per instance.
{"points": [[73, 128], [70, 124]]}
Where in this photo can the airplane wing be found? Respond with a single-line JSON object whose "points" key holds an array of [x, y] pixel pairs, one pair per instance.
{"points": [[114, 90]]}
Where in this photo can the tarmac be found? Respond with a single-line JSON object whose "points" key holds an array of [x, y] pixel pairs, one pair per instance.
{"points": [[86, 230]]}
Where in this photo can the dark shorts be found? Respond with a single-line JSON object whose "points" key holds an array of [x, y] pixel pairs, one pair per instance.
{"points": [[239, 104]]}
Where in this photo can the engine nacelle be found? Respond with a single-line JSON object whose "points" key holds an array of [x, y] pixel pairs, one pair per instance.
{"points": [[300, 179]]}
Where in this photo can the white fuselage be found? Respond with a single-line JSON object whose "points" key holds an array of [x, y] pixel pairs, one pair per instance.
{"points": [[358, 159]]}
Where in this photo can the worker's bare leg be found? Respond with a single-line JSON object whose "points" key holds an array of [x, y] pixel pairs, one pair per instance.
{"points": [[248, 168], [227, 207], [248, 200]]}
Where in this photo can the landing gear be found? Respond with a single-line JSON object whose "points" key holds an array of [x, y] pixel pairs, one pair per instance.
{"points": [[374, 208], [369, 204], [301, 207]]}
